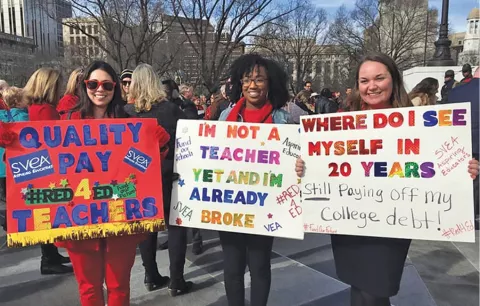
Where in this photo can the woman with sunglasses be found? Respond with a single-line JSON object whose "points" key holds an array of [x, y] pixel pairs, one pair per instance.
{"points": [[149, 101], [126, 78], [107, 259], [260, 87]]}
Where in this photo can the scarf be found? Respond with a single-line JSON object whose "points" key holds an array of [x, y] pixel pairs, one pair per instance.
{"points": [[262, 115]]}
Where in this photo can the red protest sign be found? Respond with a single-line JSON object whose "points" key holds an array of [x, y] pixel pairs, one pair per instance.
{"points": [[82, 179]]}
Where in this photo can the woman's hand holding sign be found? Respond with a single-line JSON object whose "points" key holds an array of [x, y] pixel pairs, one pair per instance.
{"points": [[300, 167]]}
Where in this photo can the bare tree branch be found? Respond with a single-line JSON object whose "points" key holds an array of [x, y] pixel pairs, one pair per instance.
{"points": [[215, 29], [397, 28], [297, 38]]}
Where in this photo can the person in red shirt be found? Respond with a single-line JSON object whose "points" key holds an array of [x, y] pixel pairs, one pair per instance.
{"points": [[108, 260], [70, 98], [41, 94]]}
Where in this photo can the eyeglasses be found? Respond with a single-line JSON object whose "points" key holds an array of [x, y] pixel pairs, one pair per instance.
{"points": [[257, 81], [94, 84], [126, 83]]}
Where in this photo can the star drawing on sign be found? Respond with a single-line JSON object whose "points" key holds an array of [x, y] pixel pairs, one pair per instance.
{"points": [[299, 180], [64, 183], [51, 185], [96, 184], [262, 143], [115, 197], [113, 182], [30, 186], [178, 221], [127, 180], [132, 176], [71, 203], [24, 190], [181, 182], [24, 196], [269, 216], [134, 181]]}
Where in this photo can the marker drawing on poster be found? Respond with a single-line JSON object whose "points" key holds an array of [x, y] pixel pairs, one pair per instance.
{"points": [[73, 180], [237, 177], [398, 173]]}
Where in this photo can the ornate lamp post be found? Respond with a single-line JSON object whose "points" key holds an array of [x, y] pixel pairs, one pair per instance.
{"points": [[442, 56]]}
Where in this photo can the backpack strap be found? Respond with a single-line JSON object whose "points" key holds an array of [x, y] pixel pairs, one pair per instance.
{"points": [[69, 115]]}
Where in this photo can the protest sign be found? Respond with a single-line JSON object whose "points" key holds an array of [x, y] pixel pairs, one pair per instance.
{"points": [[237, 177], [398, 173], [82, 179]]}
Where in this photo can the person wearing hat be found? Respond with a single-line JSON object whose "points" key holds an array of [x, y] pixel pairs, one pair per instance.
{"points": [[467, 74], [126, 78], [449, 84]]}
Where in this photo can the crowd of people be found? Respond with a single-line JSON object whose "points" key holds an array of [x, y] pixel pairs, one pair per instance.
{"points": [[256, 92]]}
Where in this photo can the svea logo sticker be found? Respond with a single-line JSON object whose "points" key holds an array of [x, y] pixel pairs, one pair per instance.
{"points": [[31, 166], [137, 159]]}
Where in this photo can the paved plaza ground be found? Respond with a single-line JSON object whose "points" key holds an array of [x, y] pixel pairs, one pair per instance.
{"points": [[303, 273]]}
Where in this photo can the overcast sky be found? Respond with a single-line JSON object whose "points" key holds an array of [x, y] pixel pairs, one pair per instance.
{"points": [[459, 10]]}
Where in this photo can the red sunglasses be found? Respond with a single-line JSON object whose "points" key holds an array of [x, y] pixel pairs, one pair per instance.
{"points": [[94, 84]]}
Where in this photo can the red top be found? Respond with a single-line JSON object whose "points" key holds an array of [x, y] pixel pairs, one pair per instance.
{"points": [[66, 103], [73, 116], [44, 111], [262, 115]]}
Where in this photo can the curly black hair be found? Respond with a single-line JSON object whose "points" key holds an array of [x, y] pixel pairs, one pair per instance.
{"points": [[277, 78], [85, 106]]}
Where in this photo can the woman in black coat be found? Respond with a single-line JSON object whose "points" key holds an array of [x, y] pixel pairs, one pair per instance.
{"points": [[149, 101]]}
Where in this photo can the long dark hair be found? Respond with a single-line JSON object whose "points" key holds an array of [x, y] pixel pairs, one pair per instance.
{"points": [[427, 86], [399, 96], [85, 106], [277, 78]]}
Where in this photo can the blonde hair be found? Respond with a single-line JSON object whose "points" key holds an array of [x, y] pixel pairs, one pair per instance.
{"points": [[304, 96], [146, 88], [43, 87], [73, 80], [184, 88], [13, 97]]}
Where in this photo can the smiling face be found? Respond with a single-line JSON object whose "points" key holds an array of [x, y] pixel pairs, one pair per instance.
{"points": [[99, 96], [375, 84], [255, 87]]}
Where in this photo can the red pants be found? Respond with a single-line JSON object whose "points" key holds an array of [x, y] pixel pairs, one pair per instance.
{"points": [[98, 260]]}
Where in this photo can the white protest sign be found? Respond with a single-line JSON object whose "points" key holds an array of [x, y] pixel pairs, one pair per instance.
{"points": [[237, 177], [398, 173]]}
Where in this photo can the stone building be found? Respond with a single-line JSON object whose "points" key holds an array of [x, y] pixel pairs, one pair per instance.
{"points": [[16, 58], [471, 42]]}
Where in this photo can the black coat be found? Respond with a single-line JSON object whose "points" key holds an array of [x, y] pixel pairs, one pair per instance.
{"points": [[187, 106], [374, 265], [446, 89], [167, 115], [325, 106]]}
